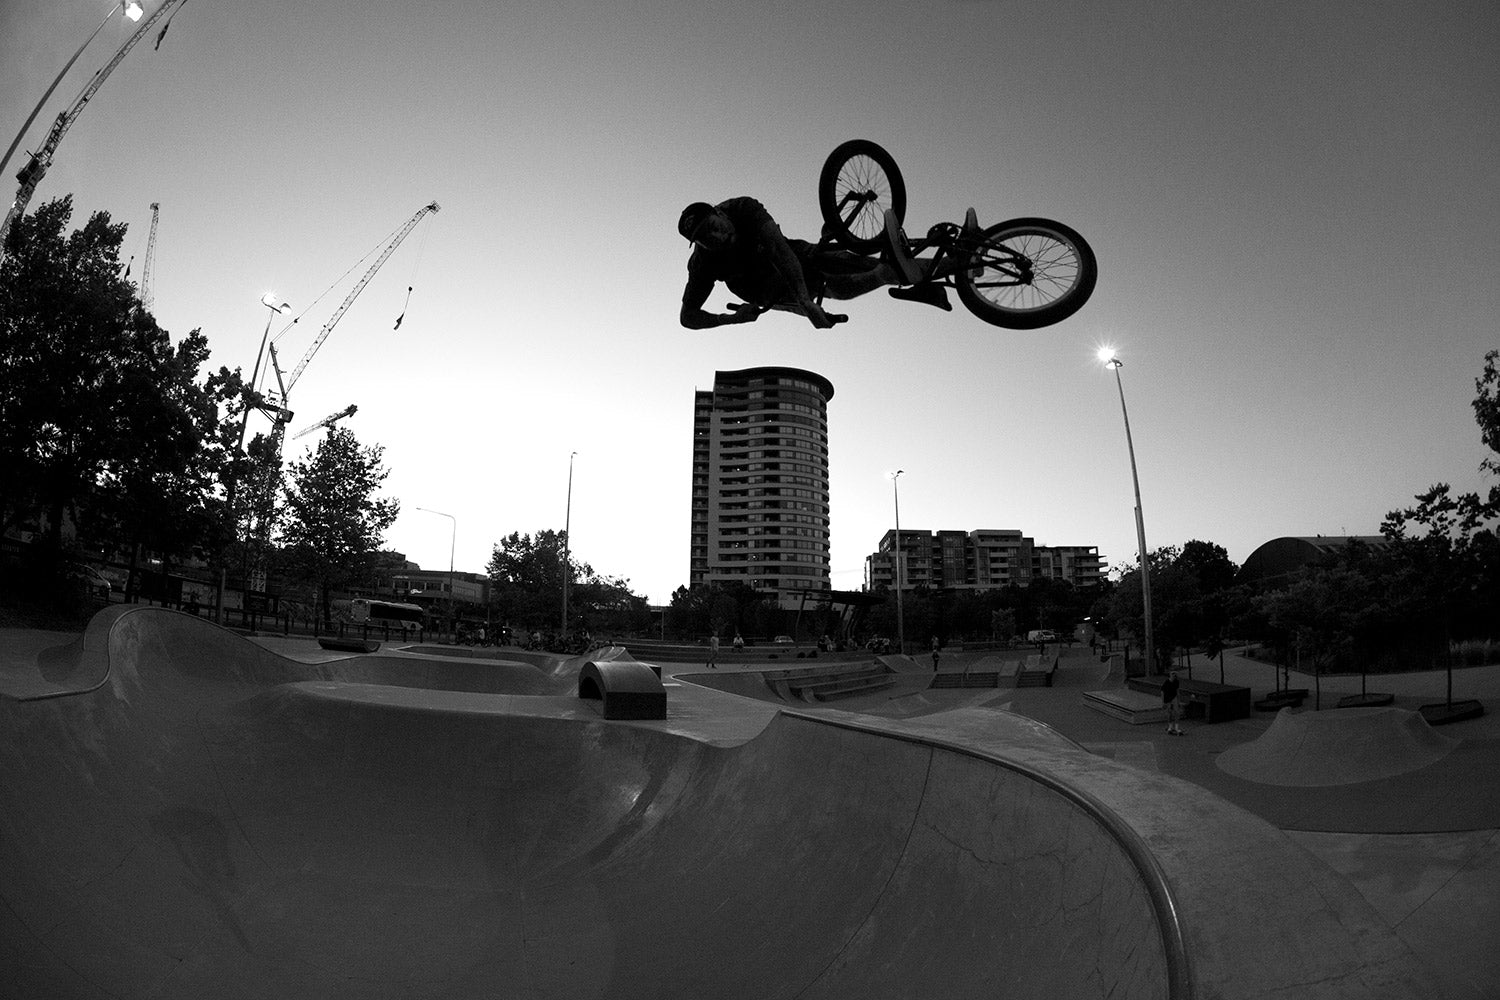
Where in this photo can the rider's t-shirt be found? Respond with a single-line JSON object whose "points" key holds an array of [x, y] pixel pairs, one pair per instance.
{"points": [[743, 265]]}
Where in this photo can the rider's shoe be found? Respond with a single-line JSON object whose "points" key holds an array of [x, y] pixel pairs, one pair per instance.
{"points": [[928, 292], [899, 252]]}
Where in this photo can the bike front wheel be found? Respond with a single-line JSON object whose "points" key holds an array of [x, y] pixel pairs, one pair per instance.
{"points": [[860, 180], [1026, 273]]}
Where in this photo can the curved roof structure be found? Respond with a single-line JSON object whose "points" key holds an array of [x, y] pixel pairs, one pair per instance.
{"points": [[1281, 556]]}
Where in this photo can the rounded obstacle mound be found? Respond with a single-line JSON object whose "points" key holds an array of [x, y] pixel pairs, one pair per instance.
{"points": [[628, 689], [1313, 749]]}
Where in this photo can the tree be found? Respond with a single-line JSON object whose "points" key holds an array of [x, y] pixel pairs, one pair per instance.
{"points": [[101, 416], [333, 521], [1446, 544], [1324, 612], [1189, 598], [526, 574]]}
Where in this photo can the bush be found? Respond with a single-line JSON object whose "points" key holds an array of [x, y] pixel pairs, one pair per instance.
{"points": [[1475, 652]]}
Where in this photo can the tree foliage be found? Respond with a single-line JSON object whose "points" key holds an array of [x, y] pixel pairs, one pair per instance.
{"points": [[1192, 592], [526, 577], [333, 521], [724, 609], [1399, 605], [102, 417]]}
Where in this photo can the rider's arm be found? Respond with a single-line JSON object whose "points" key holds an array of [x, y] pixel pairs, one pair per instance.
{"points": [[700, 319], [695, 293]]}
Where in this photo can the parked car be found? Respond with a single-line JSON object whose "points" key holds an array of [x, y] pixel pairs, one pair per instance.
{"points": [[1041, 635], [784, 640], [89, 580]]}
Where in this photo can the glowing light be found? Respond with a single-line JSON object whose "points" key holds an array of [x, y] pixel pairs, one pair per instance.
{"points": [[1107, 355], [134, 10]]}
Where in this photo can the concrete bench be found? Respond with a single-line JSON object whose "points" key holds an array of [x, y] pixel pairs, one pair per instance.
{"points": [[1213, 702]]}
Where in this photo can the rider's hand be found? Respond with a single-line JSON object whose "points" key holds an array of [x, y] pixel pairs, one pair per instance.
{"points": [[742, 312]]}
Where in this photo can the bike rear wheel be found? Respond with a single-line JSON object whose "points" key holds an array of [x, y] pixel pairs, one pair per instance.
{"points": [[860, 180], [1027, 273]]}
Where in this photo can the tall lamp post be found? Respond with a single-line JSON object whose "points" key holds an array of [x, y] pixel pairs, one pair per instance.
{"points": [[900, 618], [452, 538], [133, 11], [567, 566], [1110, 359]]}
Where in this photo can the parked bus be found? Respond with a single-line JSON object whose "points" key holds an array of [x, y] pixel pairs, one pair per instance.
{"points": [[407, 617]]}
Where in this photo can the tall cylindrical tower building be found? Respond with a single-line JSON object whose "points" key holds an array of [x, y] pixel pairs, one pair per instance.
{"points": [[760, 482]]}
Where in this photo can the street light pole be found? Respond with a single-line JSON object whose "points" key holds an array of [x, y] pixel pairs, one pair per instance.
{"points": [[900, 618], [452, 539], [1109, 358], [132, 10], [567, 566], [269, 301]]}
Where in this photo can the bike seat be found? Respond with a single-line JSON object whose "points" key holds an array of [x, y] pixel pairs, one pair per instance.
{"points": [[971, 223]]}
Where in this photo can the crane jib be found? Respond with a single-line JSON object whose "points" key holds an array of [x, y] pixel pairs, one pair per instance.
{"points": [[354, 292]]}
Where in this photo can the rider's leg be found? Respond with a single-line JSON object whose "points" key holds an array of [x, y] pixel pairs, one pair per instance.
{"points": [[899, 252], [856, 283]]}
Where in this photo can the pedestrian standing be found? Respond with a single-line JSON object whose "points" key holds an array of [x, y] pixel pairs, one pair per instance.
{"points": [[934, 654], [713, 651], [1169, 699]]}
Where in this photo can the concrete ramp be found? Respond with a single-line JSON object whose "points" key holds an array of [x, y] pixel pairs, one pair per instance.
{"points": [[1339, 747], [205, 821]]}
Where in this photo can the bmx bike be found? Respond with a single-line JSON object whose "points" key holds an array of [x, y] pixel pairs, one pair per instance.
{"points": [[1020, 274]]}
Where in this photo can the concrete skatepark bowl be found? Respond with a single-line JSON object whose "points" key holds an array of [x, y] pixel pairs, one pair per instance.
{"points": [[184, 813]]}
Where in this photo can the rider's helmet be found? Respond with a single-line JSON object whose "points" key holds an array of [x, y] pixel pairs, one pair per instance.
{"points": [[692, 216]]}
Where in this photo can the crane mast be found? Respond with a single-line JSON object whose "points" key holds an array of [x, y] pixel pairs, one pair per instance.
{"points": [[35, 168], [150, 259]]}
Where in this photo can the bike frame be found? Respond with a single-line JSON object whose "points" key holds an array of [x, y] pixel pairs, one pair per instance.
{"points": [[950, 241]]}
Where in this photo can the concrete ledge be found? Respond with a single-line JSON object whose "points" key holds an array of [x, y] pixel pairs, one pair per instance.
{"points": [[348, 645], [629, 689], [1128, 706]]}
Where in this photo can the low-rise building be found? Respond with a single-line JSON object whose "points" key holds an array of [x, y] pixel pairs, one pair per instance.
{"points": [[982, 559]]}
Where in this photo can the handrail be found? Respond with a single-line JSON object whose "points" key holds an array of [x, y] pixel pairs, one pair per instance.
{"points": [[1179, 981]]}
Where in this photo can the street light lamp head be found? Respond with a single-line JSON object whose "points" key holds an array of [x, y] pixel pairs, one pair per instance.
{"points": [[269, 301], [134, 11], [1109, 357]]}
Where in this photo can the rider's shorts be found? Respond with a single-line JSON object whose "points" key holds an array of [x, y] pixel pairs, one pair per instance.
{"points": [[763, 285]]}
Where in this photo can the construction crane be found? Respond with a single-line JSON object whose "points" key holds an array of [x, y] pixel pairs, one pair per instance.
{"points": [[150, 259], [274, 404], [329, 421], [338, 314], [35, 168]]}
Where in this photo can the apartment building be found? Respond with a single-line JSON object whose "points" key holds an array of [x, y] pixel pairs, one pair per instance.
{"points": [[983, 559], [760, 482]]}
